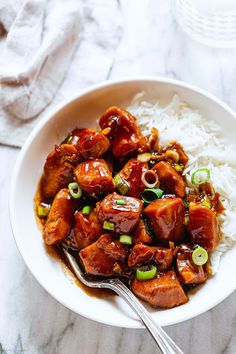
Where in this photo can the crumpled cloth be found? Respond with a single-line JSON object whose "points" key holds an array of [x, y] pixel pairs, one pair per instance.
{"points": [[53, 49]]}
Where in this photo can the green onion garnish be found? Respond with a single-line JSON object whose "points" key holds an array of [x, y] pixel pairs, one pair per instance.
{"points": [[202, 175], [43, 211], [107, 225], [86, 210], [121, 184], [206, 202], [199, 256], [185, 204], [75, 190], [146, 273], [126, 239], [120, 202], [151, 194], [69, 139]]}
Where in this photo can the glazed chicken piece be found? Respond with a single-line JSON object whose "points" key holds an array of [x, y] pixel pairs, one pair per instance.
{"points": [[162, 291], [89, 143], [60, 219], [58, 170], [87, 229], [164, 259], [188, 272], [124, 134], [183, 158], [132, 173], [170, 181], [103, 256], [166, 218], [94, 177], [203, 226], [123, 212], [142, 254], [141, 234]]}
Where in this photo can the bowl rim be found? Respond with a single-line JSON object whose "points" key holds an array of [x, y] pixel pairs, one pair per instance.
{"points": [[40, 125]]}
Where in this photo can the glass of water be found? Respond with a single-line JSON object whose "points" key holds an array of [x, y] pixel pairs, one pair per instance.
{"points": [[211, 22]]}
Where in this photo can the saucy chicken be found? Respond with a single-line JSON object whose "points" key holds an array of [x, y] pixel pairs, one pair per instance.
{"points": [[117, 200]]}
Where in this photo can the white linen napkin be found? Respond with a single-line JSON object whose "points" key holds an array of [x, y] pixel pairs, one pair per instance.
{"points": [[41, 52]]}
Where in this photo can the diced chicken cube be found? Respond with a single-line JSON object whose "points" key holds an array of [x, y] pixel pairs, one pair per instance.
{"points": [[141, 254], [58, 170], [60, 219], [188, 272], [89, 143], [203, 226], [170, 181], [94, 177], [125, 136], [163, 258], [132, 173], [123, 216], [166, 217], [162, 291], [141, 234], [87, 229], [104, 256]]}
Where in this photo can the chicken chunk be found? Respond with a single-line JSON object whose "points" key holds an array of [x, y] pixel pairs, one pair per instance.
{"points": [[132, 173], [164, 259], [183, 158], [170, 180], [87, 229], [125, 136], [103, 256], [58, 170], [203, 226], [124, 217], [94, 177], [188, 272], [166, 217], [89, 143], [162, 291], [141, 234], [141, 254], [60, 219]]}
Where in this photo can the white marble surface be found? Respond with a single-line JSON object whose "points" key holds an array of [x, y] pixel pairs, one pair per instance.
{"points": [[30, 320]]}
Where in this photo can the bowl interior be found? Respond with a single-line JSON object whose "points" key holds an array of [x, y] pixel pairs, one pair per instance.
{"points": [[83, 111]]}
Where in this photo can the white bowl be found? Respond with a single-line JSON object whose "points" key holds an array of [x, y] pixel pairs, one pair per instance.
{"points": [[82, 111]]}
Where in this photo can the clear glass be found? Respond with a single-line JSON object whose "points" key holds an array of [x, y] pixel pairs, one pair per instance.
{"points": [[211, 22]]}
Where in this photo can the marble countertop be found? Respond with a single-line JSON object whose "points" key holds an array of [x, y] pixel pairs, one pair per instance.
{"points": [[31, 321]]}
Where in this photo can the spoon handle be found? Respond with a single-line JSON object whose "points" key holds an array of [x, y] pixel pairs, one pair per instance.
{"points": [[164, 342]]}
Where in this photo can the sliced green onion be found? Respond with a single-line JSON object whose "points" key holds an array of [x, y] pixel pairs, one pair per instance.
{"points": [[121, 184], [69, 139], [202, 175], [206, 202], [146, 273], [151, 194], [75, 190], [86, 210], [43, 211], [107, 225], [126, 239], [185, 204], [178, 168], [120, 202], [199, 256]]}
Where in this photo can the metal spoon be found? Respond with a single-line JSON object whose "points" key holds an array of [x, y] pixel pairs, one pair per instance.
{"points": [[164, 342]]}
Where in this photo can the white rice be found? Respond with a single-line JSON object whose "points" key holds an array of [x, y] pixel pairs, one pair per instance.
{"points": [[204, 146]]}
